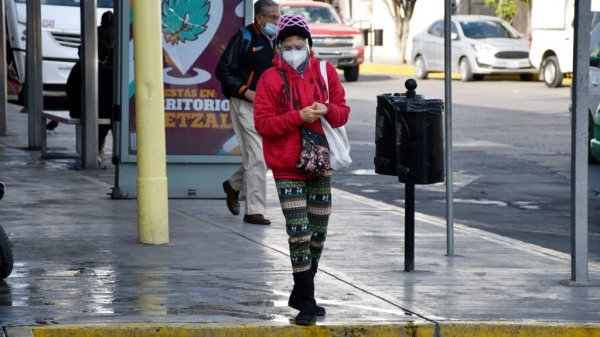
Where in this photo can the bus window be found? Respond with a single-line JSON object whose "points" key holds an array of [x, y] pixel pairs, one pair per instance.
{"points": [[101, 3]]}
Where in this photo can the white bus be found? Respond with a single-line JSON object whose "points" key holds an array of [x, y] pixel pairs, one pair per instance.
{"points": [[60, 39]]}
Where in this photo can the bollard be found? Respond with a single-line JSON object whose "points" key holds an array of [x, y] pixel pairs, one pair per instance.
{"points": [[153, 205]]}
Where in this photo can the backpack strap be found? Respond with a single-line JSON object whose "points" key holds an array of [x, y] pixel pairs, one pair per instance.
{"points": [[246, 38], [323, 66]]}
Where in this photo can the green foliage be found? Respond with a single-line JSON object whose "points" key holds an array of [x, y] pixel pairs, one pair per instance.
{"points": [[184, 20], [505, 9]]}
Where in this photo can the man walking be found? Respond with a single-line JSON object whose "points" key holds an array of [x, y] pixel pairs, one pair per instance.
{"points": [[248, 54]]}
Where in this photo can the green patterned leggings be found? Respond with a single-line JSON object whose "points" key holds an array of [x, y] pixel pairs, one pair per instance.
{"points": [[306, 206]]}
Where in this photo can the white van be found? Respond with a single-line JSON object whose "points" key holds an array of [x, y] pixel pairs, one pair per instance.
{"points": [[551, 39], [60, 39]]}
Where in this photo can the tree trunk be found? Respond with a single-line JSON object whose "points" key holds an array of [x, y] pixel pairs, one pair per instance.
{"points": [[398, 31], [402, 11], [404, 29]]}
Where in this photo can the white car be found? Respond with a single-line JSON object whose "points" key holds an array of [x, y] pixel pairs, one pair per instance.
{"points": [[480, 45]]}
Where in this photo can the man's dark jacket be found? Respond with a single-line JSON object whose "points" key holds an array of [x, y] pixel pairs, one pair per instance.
{"points": [[241, 65], [105, 91]]}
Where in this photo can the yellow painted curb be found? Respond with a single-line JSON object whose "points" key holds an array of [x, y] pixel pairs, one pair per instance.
{"points": [[520, 330], [245, 330], [458, 329], [387, 69]]}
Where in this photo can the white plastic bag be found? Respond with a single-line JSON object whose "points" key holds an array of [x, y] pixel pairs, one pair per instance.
{"points": [[339, 146]]}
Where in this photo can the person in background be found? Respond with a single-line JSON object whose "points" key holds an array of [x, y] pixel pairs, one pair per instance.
{"points": [[106, 47], [105, 92], [248, 54], [290, 95], [106, 36]]}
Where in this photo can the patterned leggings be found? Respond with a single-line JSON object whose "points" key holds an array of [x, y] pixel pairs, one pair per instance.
{"points": [[306, 206]]}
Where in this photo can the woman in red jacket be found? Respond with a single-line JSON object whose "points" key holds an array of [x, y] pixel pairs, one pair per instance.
{"points": [[289, 95]]}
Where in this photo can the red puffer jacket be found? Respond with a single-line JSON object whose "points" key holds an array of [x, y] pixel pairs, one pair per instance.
{"points": [[278, 121]]}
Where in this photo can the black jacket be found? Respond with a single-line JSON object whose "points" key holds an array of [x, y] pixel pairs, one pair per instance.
{"points": [[105, 91], [239, 67]]}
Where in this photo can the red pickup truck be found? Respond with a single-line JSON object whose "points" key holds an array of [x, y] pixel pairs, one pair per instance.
{"points": [[333, 41]]}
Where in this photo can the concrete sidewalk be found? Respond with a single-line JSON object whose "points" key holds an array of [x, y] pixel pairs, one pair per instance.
{"points": [[80, 272]]}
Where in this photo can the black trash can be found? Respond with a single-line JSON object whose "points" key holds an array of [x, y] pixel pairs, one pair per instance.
{"points": [[420, 140], [385, 134], [378, 37], [386, 154], [365, 34]]}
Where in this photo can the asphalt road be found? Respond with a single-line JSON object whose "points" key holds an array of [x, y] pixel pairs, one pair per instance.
{"points": [[511, 159]]}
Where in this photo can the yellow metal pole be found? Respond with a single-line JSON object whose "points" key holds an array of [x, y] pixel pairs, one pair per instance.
{"points": [[153, 209]]}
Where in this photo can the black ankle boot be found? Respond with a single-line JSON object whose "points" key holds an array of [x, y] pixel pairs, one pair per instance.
{"points": [[305, 288], [294, 301]]}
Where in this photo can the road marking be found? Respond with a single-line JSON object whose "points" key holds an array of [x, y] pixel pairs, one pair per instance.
{"points": [[480, 144]]}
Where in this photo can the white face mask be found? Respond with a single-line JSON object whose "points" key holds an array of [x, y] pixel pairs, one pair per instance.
{"points": [[294, 57]]}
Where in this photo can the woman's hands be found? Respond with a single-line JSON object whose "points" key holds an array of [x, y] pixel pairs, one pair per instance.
{"points": [[313, 112]]}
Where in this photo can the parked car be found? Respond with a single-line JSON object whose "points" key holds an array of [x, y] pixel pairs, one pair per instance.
{"points": [[480, 45], [594, 96], [551, 38], [594, 93], [340, 44]]}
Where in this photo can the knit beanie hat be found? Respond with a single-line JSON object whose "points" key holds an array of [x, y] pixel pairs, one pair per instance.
{"points": [[293, 24]]}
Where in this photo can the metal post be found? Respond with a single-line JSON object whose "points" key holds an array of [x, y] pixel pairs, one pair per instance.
{"points": [[448, 127], [33, 70], [248, 8], [371, 42], [579, 146], [153, 210], [3, 71], [409, 227], [350, 8], [119, 80], [89, 80]]}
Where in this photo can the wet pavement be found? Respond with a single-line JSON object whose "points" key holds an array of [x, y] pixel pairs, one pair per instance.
{"points": [[77, 260]]}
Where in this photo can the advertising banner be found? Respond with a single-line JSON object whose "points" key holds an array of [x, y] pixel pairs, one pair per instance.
{"points": [[194, 35]]}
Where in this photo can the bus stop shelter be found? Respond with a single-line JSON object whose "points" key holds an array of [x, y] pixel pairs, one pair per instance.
{"points": [[201, 149]]}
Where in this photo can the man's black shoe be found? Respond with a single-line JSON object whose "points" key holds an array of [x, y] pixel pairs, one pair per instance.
{"points": [[51, 125], [233, 202], [256, 219]]}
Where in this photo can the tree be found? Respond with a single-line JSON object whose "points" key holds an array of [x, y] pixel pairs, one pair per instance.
{"points": [[402, 11], [505, 9]]}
